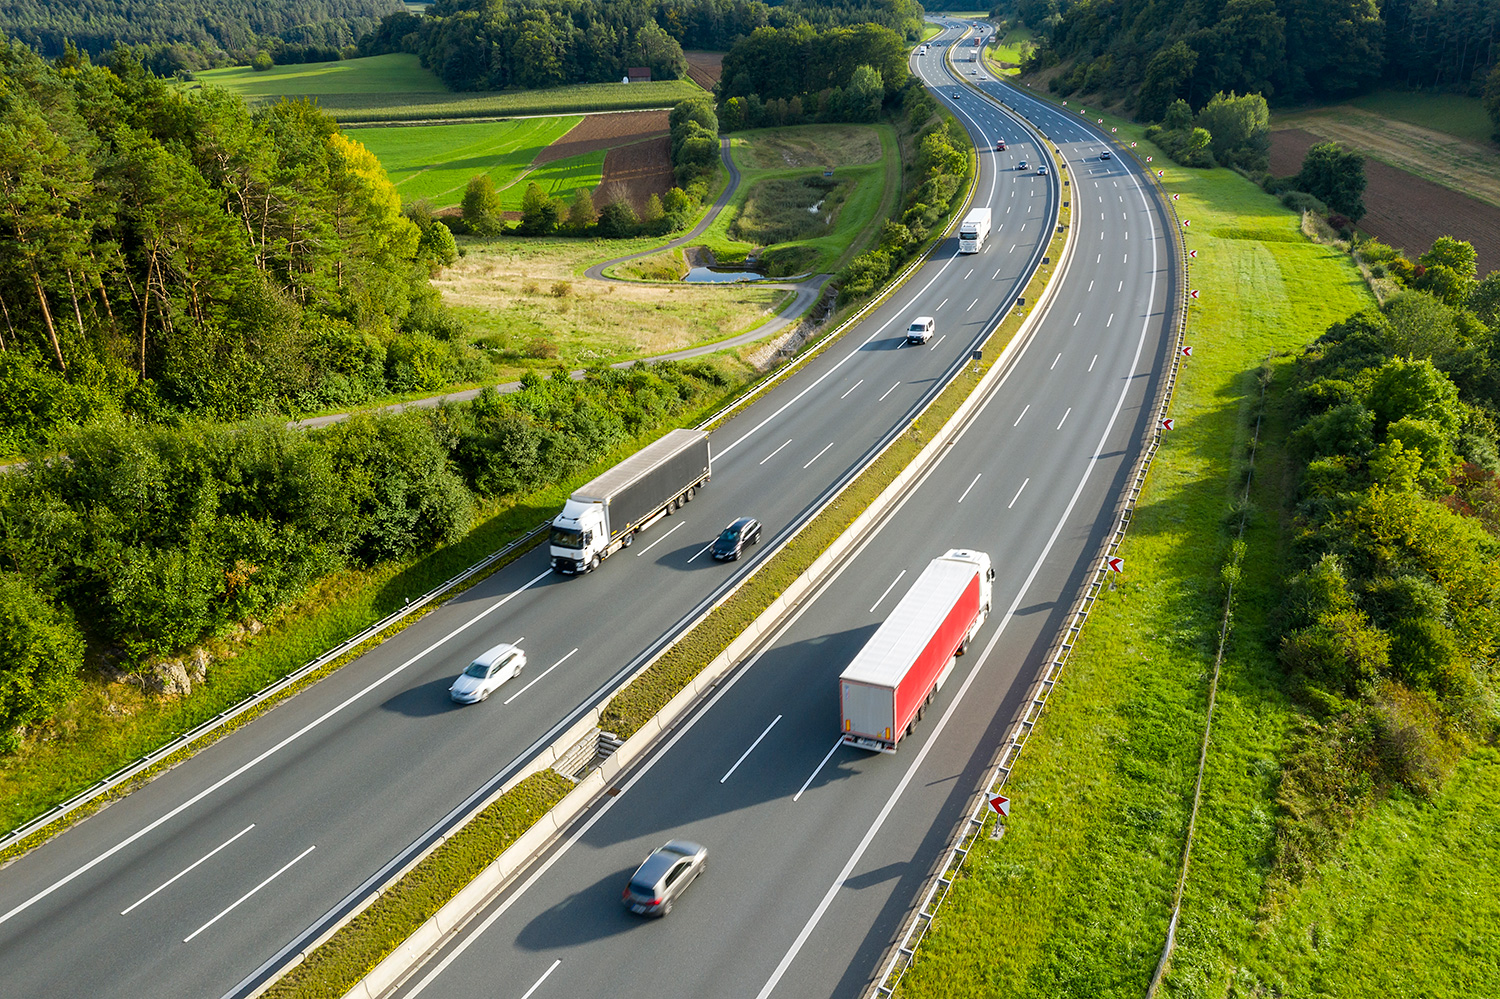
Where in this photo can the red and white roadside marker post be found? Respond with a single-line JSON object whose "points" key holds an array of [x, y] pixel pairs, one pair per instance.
{"points": [[1001, 804]]}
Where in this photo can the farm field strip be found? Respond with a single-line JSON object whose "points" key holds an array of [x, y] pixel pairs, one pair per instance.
{"points": [[396, 72], [436, 161]]}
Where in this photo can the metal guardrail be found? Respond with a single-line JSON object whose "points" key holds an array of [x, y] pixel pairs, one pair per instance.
{"points": [[165, 751], [970, 829]]}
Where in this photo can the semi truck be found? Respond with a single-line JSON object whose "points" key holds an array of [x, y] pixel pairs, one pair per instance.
{"points": [[886, 689], [605, 514], [974, 230]]}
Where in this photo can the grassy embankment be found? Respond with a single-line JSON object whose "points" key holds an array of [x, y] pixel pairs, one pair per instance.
{"points": [[1074, 900], [529, 305], [396, 88], [782, 182], [1013, 48], [435, 162]]}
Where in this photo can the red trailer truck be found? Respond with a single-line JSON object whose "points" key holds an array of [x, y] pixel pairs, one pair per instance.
{"points": [[884, 690]]}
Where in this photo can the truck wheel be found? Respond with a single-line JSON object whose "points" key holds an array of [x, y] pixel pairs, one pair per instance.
{"points": [[593, 563], [628, 540], [963, 647]]}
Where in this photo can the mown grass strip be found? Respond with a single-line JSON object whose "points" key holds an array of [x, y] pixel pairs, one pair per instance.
{"points": [[1074, 900], [337, 966]]}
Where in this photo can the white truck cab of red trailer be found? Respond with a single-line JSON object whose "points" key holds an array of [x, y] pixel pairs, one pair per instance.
{"points": [[888, 686]]}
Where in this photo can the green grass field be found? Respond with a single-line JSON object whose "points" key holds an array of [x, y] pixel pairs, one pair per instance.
{"points": [[396, 88], [1015, 46], [436, 161], [864, 161], [1074, 901], [1450, 113]]}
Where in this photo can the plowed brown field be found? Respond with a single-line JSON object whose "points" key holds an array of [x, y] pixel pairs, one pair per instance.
{"points": [[605, 131], [705, 68], [1403, 209], [637, 171]]}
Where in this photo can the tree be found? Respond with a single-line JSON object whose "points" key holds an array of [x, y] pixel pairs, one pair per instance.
{"points": [[581, 212], [41, 651], [261, 62], [540, 213], [1240, 128], [481, 206], [1335, 177], [617, 220], [864, 94], [1492, 98], [1166, 79]]}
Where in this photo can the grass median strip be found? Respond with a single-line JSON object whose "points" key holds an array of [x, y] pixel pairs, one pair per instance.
{"points": [[337, 966]]}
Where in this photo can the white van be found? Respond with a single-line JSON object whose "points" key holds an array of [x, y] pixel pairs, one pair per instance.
{"points": [[920, 330]]}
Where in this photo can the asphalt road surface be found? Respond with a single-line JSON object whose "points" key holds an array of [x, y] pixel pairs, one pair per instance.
{"points": [[199, 882], [816, 851]]}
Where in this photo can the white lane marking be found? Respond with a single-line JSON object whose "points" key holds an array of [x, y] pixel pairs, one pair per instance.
{"points": [[1023, 413], [937, 730], [665, 536], [1018, 493], [1056, 359], [940, 307], [1012, 248], [1076, 318], [1098, 257], [888, 590], [536, 679], [747, 752], [997, 275], [774, 453], [268, 753], [826, 447], [1091, 284], [939, 340], [1064, 419], [539, 981], [1101, 214], [1121, 288], [1127, 235], [810, 777], [188, 868], [844, 396], [700, 551], [971, 486], [246, 896], [972, 304], [1023, 226], [1125, 217], [1111, 321], [970, 274], [1126, 260], [1091, 363], [889, 391]]}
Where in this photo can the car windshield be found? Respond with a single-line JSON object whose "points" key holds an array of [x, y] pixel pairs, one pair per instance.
{"points": [[479, 670], [730, 536], [564, 538]]}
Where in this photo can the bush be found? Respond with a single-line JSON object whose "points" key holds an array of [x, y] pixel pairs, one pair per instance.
{"points": [[41, 651], [1301, 201], [481, 209]]}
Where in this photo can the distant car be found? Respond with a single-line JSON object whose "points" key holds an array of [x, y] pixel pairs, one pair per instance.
{"points": [[1000, 146], [485, 674], [1042, 170], [741, 532], [1021, 165], [663, 877], [1104, 155], [957, 95]]}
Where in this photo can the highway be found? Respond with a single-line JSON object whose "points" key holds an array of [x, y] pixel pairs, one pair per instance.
{"points": [[817, 851], [202, 881]]}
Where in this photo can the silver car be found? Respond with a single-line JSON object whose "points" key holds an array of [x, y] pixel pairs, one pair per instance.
{"points": [[664, 876]]}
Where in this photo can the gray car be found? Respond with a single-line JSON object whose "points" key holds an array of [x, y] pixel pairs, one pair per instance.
{"points": [[664, 876]]}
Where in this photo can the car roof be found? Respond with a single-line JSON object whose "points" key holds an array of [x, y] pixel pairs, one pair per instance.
{"points": [[496, 654], [924, 320], [736, 522], [663, 859]]}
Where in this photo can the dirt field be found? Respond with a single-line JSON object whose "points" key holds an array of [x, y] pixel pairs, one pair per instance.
{"points": [[637, 171], [705, 68], [605, 131], [1405, 210]]}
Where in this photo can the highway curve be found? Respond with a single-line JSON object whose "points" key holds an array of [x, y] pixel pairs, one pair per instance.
{"points": [[816, 852], [202, 882]]}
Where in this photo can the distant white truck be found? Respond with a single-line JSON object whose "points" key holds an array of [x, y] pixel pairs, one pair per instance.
{"points": [[974, 230], [885, 690], [604, 515]]}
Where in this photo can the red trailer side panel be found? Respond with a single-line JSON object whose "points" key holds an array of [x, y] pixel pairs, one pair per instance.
{"points": [[945, 641]]}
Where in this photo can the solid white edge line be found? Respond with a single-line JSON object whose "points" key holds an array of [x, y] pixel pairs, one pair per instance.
{"points": [[545, 975], [537, 678], [194, 864], [267, 754], [730, 772], [916, 763], [246, 896], [819, 768], [668, 534]]}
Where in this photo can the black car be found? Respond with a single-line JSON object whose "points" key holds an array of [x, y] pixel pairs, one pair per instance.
{"points": [[740, 533]]}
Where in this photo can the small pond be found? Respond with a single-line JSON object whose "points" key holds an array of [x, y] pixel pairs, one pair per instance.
{"points": [[722, 274]]}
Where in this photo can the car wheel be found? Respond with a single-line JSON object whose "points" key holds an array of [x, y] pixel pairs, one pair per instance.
{"points": [[666, 907], [484, 696]]}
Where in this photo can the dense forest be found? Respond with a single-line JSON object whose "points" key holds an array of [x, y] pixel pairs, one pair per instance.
{"points": [[166, 253], [1391, 621], [494, 44], [96, 26], [1286, 50]]}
